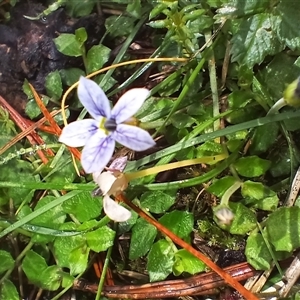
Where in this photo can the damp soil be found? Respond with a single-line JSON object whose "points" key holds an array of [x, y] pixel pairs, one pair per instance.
{"points": [[27, 49]]}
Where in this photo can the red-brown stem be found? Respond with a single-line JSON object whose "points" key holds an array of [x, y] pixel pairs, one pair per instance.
{"points": [[227, 278]]}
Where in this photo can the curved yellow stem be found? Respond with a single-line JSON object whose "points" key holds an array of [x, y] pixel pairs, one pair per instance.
{"points": [[63, 102], [175, 165]]}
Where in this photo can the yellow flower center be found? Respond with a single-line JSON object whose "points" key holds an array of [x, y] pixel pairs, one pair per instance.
{"points": [[102, 125]]}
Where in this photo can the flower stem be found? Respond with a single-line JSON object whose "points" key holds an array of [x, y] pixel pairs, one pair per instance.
{"points": [[222, 211], [213, 79], [103, 274], [277, 106], [175, 165], [225, 198]]}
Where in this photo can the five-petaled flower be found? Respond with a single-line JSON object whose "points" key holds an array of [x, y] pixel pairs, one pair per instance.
{"points": [[98, 135]]}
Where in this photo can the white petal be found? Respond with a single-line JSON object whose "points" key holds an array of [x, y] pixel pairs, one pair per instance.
{"points": [[97, 153], [93, 98], [77, 133], [96, 176], [129, 104], [133, 137], [105, 181], [115, 211], [225, 215], [112, 183]]}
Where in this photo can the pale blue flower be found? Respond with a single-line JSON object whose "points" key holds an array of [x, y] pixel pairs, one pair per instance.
{"points": [[99, 135]]}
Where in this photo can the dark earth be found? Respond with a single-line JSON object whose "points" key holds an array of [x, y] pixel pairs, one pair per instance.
{"points": [[27, 49]]}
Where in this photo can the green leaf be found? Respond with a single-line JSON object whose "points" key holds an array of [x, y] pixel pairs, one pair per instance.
{"points": [[209, 148], [62, 172], [173, 136], [160, 260], [53, 85], [51, 278], [67, 279], [134, 8], [179, 222], [142, 238], [234, 144], [192, 14], [51, 218], [79, 8], [275, 77], [63, 246], [291, 124], [100, 239], [108, 84], [33, 265], [182, 133], [89, 225], [8, 291], [97, 56], [78, 260], [7, 261], [127, 225], [119, 25], [244, 219], [283, 227], [157, 9], [245, 77], [215, 3], [254, 40], [240, 8], [7, 129], [198, 109], [257, 252], [67, 44], [288, 24], [170, 87], [220, 186], [156, 201], [188, 153], [264, 137], [70, 76], [260, 196], [239, 101], [186, 262], [58, 118], [17, 171], [252, 166], [158, 24], [32, 110], [181, 120], [81, 35], [83, 206], [27, 90], [281, 162], [151, 106]]}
